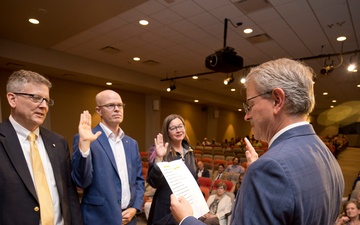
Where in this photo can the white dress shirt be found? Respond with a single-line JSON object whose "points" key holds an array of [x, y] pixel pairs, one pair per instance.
{"points": [[22, 134]]}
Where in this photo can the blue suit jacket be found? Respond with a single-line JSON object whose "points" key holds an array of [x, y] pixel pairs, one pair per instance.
{"points": [[98, 176], [297, 181]]}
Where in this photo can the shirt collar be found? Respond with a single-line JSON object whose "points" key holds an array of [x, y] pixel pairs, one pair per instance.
{"points": [[285, 129], [21, 131], [110, 134]]}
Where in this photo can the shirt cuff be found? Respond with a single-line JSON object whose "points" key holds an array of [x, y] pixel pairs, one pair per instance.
{"points": [[85, 154]]}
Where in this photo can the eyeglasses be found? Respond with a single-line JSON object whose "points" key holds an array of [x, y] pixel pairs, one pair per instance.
{"points": [[113, 106], [246, 106], [37, 98], [174, 128]]}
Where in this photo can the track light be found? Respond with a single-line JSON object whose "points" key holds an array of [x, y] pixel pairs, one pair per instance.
{"points": [[353, 65], [229, 80], [171, 87], [328, 67]]}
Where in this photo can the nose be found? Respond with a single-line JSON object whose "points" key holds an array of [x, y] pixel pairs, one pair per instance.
{"points": [[247, 117]]}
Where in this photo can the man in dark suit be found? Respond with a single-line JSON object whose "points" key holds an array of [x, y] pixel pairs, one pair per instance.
{"points": [[107, 165], [298, 180], [20, 200], [201, 171]]}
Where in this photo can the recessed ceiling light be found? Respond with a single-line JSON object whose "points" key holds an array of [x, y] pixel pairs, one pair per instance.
{"points": [[144, 22], [239, 110], [34, 21], [242, 80], [358, 85], [136, 59], [331, 106], [333, 101], [325, 93], [232, 89], [108, 83], [195, 77], [248, 31], [341, 38], [196, 100]]}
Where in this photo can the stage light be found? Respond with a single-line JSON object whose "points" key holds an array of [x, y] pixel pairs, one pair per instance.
{"points": [[229, 80], [328, 67], [353, 64], [171, 87]]}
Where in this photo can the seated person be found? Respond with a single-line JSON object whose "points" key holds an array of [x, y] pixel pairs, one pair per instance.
{"points": [[237, 185], [351, 214], [235, 167], [220, 173], [148, 195], [219, 205], [201, 171]]}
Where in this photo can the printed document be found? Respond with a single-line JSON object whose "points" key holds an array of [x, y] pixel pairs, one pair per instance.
{"points": [[182, 183]]}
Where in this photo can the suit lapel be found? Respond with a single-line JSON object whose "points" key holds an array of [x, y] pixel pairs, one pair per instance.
{"points": [[52, 151], [13, 148], [104, 142]]}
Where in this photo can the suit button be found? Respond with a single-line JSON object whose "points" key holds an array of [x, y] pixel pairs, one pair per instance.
{"points": [[36, 209]]}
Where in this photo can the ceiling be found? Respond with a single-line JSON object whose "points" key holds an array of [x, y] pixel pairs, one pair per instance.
{"points": [[72, 38]]}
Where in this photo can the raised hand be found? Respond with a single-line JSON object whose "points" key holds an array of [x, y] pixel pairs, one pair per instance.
{"points": [[86, 135], [251, 154], [160, 147]]}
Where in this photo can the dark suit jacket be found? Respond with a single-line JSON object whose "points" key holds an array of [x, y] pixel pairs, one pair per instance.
{"points": [[205, 173], [98, 175], [18, 198], [297, 181]]}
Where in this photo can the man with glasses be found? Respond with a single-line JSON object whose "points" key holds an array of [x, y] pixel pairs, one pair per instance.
{"points": [[298, 180], [35, 167], [107, 165]]}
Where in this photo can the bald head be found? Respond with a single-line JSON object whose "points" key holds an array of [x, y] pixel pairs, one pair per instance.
{"points": [[102, 97]]}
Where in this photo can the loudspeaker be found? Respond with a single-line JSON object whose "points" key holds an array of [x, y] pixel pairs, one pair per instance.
{"points": [[156, 105]]}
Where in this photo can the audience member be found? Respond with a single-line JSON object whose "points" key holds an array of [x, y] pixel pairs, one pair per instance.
{"points": [[257, 144], [206, 142], [201, 171], [219, 205], [235, 189], [171, 144], [351, 214], [148, 196], [220, 173], [235, 167], [35, 182], [107, 165], [306, 176]]}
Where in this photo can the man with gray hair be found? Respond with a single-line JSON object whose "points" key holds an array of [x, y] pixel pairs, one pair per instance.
{"points": [[298, 180]]}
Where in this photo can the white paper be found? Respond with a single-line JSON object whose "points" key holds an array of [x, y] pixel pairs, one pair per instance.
{"points": [[182, 183]]}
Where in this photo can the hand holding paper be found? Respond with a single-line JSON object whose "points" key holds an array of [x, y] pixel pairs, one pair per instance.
{"points": [[182, 183]]}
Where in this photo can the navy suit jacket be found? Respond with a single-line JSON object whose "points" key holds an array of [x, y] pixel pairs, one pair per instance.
{"points": [[98, 176], [18, 198], [297, 181]]}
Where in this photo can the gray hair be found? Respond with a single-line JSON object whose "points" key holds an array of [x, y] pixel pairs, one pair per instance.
{"points": [[293, 77], [19, 78]]}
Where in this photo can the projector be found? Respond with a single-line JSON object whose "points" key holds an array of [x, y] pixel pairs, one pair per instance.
{"points": [[225, 60]]}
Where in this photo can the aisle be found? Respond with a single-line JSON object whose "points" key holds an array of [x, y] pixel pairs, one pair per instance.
{"points": [[349, 161]]}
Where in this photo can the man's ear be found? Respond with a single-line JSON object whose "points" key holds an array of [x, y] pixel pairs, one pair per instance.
{"points": [[11, 99], [279, 97]]}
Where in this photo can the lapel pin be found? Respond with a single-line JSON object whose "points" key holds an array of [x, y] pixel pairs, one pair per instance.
{"points": [[54, 145]]}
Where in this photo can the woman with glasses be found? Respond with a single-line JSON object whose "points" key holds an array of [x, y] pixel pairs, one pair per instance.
{"points": [[171, 144], [219, 204]]}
